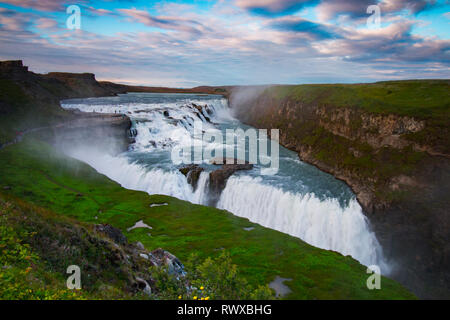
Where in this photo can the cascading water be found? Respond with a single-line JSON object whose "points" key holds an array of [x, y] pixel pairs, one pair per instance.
{"points": [[299, 200]]}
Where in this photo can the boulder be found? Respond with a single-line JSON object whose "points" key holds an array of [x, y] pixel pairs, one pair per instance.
{"points": [[113, 233], [165, 258]]}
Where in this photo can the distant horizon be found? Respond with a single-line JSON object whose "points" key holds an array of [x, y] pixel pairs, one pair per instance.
{"points": [[218, 85]]}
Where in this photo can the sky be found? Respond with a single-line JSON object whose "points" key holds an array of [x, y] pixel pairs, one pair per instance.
{"points": [[231, 42]]}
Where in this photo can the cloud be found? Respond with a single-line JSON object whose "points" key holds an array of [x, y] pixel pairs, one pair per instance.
{"points": [[413, 6], [223, 45], [165, 22], [315, 31], [12, 21], [273, 7], [42, 5], [393, 44], [329, 9], [46, 23]]}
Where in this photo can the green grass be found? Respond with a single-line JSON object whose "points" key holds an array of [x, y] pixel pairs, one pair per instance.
{"points": [[423, 99], [38, 174]]}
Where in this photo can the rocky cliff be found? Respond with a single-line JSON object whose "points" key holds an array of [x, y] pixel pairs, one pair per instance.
{"points": [[30, 103], [393, 152]]}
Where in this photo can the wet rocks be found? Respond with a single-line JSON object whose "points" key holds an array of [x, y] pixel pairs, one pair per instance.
{"points": [[218, 178], [192, 173], [165, 258]]}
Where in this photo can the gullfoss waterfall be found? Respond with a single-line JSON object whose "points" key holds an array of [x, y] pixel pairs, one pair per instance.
{"points": [[299, 199]]}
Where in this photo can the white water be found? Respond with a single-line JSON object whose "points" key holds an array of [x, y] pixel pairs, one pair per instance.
{"points": [[321, 220], [322, 223]]}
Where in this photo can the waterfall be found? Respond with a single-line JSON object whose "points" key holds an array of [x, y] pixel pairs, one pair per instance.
{"points": [[321, 223], [324, 222]]}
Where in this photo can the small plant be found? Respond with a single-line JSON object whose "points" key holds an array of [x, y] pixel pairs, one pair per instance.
{"points": [[213, 278]]}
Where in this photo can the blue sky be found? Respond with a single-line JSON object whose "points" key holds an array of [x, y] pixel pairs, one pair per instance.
{"points": [[207, 42]]}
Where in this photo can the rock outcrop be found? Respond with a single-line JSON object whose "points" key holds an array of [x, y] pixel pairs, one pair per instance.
{"points": [[32, 104], [217, 178], [192, 173], [138, 259]]}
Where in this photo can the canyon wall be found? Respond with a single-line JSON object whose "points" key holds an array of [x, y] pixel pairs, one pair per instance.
{"points": [[397, 163], [30, 104]]}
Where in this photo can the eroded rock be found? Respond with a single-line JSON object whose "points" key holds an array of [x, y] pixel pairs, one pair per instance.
{"points": [[192, 173]]}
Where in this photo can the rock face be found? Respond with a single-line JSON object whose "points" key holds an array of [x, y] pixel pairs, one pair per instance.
{"points": [[217, 178], [13, 66], [398, 167]]}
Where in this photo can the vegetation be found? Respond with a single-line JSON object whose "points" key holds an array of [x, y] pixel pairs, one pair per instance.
{"points": [[214, 278], [423, 99], [38, 245], [38, 174], [22, 275]]}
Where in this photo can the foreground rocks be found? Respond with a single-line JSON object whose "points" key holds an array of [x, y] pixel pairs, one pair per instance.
{"points": [[139, 259]]}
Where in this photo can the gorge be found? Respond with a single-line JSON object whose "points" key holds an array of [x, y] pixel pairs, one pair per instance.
{"points": [[364, 183]]}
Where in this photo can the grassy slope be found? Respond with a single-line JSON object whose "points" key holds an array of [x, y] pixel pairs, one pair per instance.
{"points": [[37, 245], [49, 179]]}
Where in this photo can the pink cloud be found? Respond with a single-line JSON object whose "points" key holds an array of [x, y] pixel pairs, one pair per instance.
{"points": [[165, 22], [46, 23], [42, 5]]}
